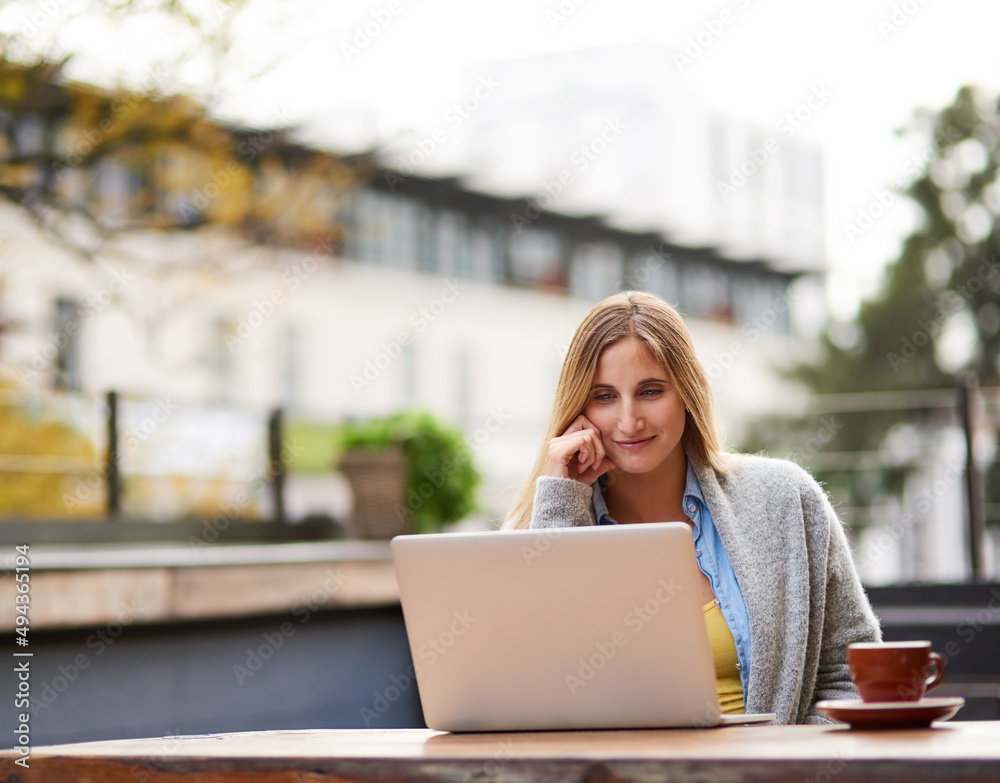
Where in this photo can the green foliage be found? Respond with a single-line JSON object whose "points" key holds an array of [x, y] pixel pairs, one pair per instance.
{"points": [[949, 269], [244, 180], [36, 433], [441, 475], [946, 276]]}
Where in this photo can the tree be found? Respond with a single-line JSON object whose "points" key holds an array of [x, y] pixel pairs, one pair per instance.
{"points": [[156, 127], [945, 285], [50, 468], [937, 315], [38, 151]]}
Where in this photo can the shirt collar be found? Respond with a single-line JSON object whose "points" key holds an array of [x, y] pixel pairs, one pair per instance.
{"points": [[692, 492], [600, 504], [692, 488]]}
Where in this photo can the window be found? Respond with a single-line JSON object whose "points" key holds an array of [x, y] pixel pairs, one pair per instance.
{"points": [[761, 301], [706, 292], [484, 252], [656, 272], [408, 376], [288, 361], [221, 359], [463, 385], [597, 270], [118, 187], [719, 151], [755, 141], [29, 135], [383, 228], [406, 215], [71, 186], [67, 340], [537, 259], [450, 242]]}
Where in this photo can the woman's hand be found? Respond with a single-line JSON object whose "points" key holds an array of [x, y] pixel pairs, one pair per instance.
{"points": [[578, 453]]}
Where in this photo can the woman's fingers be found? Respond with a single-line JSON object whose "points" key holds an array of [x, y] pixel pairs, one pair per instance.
{"points": [[563, 451], [581, 422], [578, 453], [591, 475], [595, 450], [592, 452]]}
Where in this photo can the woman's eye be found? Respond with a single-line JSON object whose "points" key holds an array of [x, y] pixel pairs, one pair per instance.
{"points": [[603, 397], [651, 392]]}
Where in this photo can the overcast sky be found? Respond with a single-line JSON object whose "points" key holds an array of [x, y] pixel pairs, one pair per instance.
{"points": [[749, 59]]}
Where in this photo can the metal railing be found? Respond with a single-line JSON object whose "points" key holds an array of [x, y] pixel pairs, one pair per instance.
{"points": [[111, 444], [965, 403]]}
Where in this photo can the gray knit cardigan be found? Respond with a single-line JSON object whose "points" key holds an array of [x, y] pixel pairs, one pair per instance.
{"points": [[794, 567]]}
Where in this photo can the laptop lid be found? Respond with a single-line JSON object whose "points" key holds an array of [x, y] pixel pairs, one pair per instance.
{"points": [[569, 628]]}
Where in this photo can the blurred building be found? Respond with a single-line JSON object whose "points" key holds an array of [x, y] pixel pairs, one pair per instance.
{"points": [[163, 254], [639, 149]]}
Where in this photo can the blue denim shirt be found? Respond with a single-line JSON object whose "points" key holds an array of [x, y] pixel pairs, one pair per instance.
{"points": [[712, 560]]}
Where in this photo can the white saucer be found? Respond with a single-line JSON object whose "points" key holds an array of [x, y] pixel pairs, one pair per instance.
{"points": [[891, 714]]}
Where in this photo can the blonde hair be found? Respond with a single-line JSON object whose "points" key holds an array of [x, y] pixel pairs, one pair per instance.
{"points": [[660, 328]]}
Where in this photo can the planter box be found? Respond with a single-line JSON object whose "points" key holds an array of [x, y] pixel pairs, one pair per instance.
{"points": [[378, 483]]}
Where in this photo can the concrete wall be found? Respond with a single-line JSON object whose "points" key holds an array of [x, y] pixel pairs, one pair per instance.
{"points": [[341, 669]]}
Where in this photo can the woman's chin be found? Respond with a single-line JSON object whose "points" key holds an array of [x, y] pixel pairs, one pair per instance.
{"points": [[632, 464]]}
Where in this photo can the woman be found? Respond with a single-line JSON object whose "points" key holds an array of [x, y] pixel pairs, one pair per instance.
{"points": [[633, 438]]}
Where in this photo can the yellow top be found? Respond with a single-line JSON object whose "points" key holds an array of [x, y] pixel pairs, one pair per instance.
{"points": [[727, 676]]}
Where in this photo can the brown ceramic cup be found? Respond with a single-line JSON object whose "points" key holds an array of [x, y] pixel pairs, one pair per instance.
{"points": [[894, 671]]}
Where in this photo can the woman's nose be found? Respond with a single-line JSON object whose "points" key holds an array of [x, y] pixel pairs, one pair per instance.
{"points": [[629, 420]]}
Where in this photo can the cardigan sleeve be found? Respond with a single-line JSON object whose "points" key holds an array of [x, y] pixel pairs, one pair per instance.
{"points": [[848, 618], [561, 502]]}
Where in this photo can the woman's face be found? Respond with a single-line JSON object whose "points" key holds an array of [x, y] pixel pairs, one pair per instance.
{"points": [[637, 409]]}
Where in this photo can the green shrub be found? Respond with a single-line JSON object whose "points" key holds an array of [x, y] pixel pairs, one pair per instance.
{"points": [[441, 476]]}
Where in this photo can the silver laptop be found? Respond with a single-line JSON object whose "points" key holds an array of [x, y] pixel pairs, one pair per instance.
{"points": [[572, 628]]}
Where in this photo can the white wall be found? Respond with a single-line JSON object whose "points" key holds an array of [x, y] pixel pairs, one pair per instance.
{"points": [[158, 337]]}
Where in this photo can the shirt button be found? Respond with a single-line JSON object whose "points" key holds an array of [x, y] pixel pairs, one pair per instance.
{"points": [[738, 667], [697, 553], [692, 508]]}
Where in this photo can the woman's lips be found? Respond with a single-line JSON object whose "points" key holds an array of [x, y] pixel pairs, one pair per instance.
{"points": [[633, 445]]}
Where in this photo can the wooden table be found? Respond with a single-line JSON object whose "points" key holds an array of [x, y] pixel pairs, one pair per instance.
{"points": [[948, 752]]}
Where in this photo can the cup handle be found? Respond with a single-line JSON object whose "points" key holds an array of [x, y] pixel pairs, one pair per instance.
{"points": [[939, 668]]}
